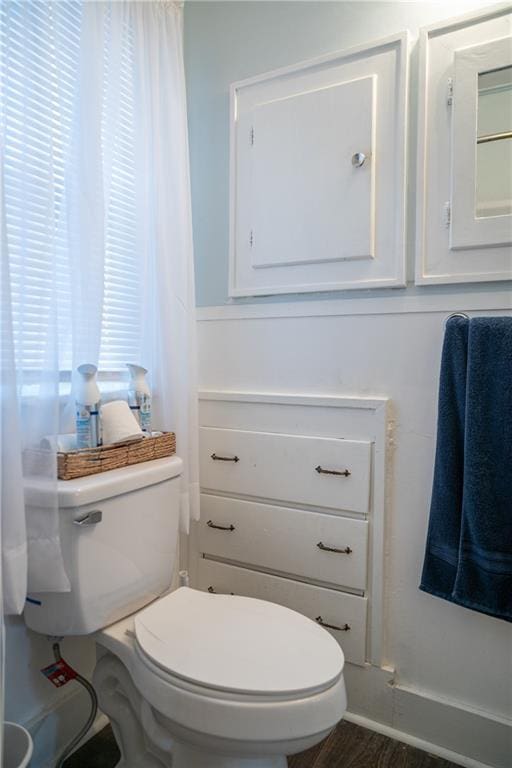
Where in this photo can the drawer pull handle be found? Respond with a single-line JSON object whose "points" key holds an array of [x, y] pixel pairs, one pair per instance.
{"points": [[322, 471], [224, 458], [325, 548], [213, 591], [344, 628], [211, 524]]}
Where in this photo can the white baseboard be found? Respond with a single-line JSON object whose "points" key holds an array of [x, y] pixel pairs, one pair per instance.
{"points": [[52, 729], [458, 733], [413, 741]]}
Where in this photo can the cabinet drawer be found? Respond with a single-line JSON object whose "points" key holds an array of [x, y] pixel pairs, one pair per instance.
{"points": [[336, 608], [285, 540], [319, 471]]}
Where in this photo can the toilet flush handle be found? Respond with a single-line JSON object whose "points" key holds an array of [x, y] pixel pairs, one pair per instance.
{"points": [[93, 517]]}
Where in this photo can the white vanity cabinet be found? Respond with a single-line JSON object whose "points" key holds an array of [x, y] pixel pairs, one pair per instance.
{"points": [[464, 226], [292, 508]]}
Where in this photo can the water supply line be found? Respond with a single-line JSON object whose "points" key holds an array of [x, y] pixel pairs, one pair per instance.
{"points": [[184, 581], [92, 716]]}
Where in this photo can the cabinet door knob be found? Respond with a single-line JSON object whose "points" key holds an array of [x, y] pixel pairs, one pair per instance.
{"points": [[344, 628], [325, 548], [211, 524], [224, 458], [358, 159]]}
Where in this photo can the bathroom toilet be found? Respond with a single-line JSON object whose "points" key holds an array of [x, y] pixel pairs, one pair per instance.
{"points": [[187, 677]]}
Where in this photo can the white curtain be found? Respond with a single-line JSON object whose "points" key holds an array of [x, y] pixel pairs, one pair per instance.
{"points": [[13, 529], [30, 319], [144, 45], [140, 44], [165, 234], [150, 36]]}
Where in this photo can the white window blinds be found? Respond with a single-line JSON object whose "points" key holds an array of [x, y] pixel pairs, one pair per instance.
{"points": [[40, 93]]}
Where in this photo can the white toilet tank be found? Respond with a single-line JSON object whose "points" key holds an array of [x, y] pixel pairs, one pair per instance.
{"points": [[119, 538]]}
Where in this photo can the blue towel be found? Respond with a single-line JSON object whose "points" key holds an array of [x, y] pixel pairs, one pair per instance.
{"points": [[468, 557], [442, 554]]}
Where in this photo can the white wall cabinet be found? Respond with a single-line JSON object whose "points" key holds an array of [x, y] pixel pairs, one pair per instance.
{"points": [[318, 174], [464, 226]]}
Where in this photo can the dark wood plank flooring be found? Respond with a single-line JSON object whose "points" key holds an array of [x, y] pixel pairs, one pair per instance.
{"points": [[99, 752], [348, 746]]}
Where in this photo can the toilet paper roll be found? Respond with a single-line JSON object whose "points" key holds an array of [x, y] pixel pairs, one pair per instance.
{"points": [[118, 424], [59, 443]]}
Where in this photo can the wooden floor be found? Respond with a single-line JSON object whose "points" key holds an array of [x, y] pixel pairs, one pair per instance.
{"points": [[348, 746]]}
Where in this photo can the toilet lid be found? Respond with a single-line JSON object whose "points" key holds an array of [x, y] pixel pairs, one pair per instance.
{"points": [[237, 644]]}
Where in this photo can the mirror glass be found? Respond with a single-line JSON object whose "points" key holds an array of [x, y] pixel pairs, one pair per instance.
{"points": [[494, 143]]}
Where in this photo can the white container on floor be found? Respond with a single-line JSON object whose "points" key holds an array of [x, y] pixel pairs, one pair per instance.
{"points": [[18, 746]]}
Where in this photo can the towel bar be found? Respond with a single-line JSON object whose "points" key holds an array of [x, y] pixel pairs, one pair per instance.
{"points": [[457, 314]]}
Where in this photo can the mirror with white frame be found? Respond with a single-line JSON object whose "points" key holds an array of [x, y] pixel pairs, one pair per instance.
{"points": [[464, 222], [494, 143]]}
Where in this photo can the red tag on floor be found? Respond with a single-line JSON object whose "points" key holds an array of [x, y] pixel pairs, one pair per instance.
{"points": [[59, 673]]}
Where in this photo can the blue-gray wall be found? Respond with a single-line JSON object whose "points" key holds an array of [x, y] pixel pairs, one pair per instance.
{"points": [[228, 41]]}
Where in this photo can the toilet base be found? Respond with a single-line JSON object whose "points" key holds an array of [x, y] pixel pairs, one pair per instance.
{"points": [[185, 756], [144, 735], [143, 743]]}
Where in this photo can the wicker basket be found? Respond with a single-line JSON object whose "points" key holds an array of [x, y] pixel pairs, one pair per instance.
{"points": [[93, 460]]}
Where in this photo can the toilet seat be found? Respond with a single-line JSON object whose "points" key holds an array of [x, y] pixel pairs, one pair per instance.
{"points": [[237, 645], [246, 715]]}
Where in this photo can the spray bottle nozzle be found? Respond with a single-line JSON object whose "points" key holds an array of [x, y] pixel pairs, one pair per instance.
{"points": [[87, 369]]}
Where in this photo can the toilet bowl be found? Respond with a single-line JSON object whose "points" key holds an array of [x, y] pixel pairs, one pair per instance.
{"points": [[219, 681], [195, 678]]}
